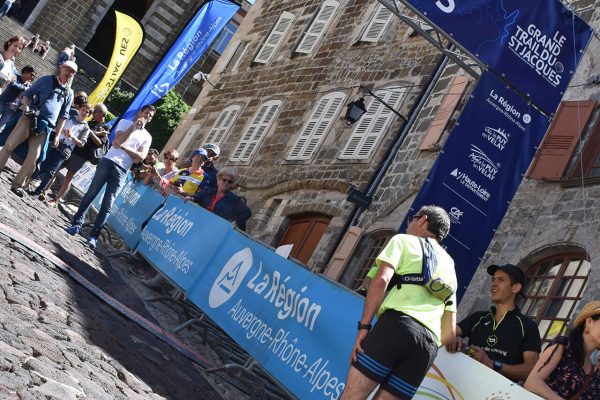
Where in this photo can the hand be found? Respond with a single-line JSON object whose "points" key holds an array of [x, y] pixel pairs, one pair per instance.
{"points": [[140, 123], [360, 336], [455, 344], [68, 132], [116, 145], [482, 356], [55, 142]]}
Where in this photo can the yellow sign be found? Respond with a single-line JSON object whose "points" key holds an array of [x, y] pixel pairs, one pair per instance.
{"points": [[128, 39]]}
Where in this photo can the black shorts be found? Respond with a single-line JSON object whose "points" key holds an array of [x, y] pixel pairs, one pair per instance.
{"points": [[398, 353], [75, 162]]}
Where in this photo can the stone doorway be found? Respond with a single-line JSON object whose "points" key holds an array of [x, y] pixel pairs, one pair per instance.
{"points": [[305, 233]]}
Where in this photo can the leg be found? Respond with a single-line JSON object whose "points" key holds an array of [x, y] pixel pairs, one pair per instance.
{"points": [[358, 386], [35, 148], [98, 181], [18, 135], [114, 183], [51, 164], [65, 186]]}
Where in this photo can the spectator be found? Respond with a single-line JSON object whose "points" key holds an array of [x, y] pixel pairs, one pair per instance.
{"points": [[517, 345], [34, 41], [6, 7], [210, 171], [222, 201], [78, 99], [564, 370], [161, 175], [74, 133], [412, 321], [131, 144], [67, 54], [12, 48], [52, 97], [95, 148], [10, 99], [43, 49], [186, 182], [141, 170]]}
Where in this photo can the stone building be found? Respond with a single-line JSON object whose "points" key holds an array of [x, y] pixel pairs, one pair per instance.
{"points": [[277, 111], [90, 25]]}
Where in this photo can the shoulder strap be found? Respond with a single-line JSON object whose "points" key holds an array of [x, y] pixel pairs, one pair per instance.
{"points": [[415, 278]]}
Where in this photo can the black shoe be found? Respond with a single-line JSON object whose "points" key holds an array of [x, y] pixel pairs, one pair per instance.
{"points": [[18, 191]]}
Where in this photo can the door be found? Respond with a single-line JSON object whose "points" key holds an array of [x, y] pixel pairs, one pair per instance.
{"points": [[305, 232]]}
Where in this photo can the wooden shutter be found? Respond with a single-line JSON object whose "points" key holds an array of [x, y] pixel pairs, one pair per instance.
{"points": [[317, 126], [258, 128], [235, 57], [377, 24], [372, 125], [557, 147], [284, 23], [224, 121], [590, 154], [343, 253], [318, 27], [444, 113]]}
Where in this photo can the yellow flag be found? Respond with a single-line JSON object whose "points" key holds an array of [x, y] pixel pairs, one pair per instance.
{"points": [[128, 39]]}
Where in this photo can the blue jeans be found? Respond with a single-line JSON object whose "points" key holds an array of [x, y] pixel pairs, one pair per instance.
{"points": [[106, 172], [53, 161]]}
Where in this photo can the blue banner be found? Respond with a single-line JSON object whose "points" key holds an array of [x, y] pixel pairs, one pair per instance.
{"points": [[297, 325], [132, 208], [480, 168], [191, 44], [535, 44], [180, 240]]}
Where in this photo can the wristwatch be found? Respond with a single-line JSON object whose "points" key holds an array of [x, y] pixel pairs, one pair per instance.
{"points": [[497, 365], [364, 326]]}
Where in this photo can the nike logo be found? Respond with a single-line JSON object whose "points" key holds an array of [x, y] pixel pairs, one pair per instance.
{"points": [[486, 323]]}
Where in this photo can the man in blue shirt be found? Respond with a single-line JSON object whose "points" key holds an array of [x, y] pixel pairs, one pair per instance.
{"points": [[9, 99], [53, 97]]}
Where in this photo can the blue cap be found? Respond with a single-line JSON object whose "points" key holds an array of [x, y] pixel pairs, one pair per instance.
{"points": [[200, 152]]}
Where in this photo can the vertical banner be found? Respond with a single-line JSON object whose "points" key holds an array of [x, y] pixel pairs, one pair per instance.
{"points": [[480, 169], [128, 39], [535, 44], [183, 54]]}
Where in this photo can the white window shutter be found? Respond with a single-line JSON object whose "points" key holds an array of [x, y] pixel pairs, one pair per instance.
{"points": [[222, 125], [256, 131], [284, 23], [318, 125], [318, 27], [377, 24], [372, 125]]}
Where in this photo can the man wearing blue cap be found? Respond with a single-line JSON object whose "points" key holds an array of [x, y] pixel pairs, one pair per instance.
{"points": [[131, 144], [502, 338], [188, 180]]}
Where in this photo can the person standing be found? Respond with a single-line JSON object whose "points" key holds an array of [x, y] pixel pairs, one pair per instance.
{"points": [[11, 49], [10, 99], [412, 321], [502, 338], [52, 99], [131, 144], [6, 7]]}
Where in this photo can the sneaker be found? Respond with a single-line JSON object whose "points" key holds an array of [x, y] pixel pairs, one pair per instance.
{"points": [[42, 196], [18, 191], [92, 242], [51, 203], [72, 230], [52, 196]]}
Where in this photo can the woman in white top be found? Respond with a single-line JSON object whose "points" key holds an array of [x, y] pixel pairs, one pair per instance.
{"points": [[11, 49]]}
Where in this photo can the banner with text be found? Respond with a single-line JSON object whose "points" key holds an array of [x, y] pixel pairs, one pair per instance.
{"points": [[535, 44], [132, 208], [183, 54], [480, 169], [129, 36]]}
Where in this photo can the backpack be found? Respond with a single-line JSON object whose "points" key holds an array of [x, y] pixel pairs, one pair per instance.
{"points": [[434, 284]]}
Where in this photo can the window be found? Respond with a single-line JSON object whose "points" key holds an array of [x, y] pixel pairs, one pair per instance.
{"points": [[373, 124], [555, 286], [560, 141], [224, 37], [256, 131], [379, 21], [191, 133], [318, 125], [281, 28], [222, 125], [318, 27], [236, 56], [369, 249]]}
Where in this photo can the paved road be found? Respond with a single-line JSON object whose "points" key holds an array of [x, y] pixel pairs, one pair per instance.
{"points": [[59, 341]]}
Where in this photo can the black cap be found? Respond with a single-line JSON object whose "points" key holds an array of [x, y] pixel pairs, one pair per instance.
{"points": [[515, 272]]}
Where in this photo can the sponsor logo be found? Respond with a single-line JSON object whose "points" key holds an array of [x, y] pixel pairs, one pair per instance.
{"points": [[230, 278], [496, 136], [455, 214], [482, 163], [492, 340], [471, 184]]}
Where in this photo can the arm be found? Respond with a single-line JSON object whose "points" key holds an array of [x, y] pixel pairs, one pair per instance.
{"points": [[121, 136], [449, 328], [95, 139], [375, 296], [511, 371], [136, 156], [535, 382]]}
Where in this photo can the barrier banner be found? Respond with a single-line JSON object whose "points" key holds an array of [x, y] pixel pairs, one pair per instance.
{"points": [[132, 208], [297, 325], [181, 238], [480, 169], [535, 44], [129, 36], [195, 39]]}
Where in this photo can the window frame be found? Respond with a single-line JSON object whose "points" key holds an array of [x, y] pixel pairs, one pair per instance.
{"points": [[216, 137]]}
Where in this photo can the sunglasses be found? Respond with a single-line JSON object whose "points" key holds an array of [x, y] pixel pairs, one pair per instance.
{"points": [[171, 158], [229, 181], [417, 216]]}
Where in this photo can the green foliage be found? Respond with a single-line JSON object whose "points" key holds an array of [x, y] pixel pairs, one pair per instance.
{"points": [[166, 119]]}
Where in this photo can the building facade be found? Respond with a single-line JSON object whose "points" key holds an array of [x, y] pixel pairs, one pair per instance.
{"points": [[277, 111]]}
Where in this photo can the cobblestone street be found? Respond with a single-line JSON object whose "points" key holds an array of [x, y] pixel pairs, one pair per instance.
{"points": [[59, 341]]}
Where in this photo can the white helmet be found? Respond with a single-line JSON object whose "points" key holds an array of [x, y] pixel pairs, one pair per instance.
{"points": [[215, 149]]}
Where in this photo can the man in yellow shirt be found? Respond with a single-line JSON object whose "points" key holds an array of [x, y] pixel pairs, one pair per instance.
{"points": [[412, 321], [188, 180]]}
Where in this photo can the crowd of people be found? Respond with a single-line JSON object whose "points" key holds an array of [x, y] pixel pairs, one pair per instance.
{"points": [[60, 129], [413, 320]]}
